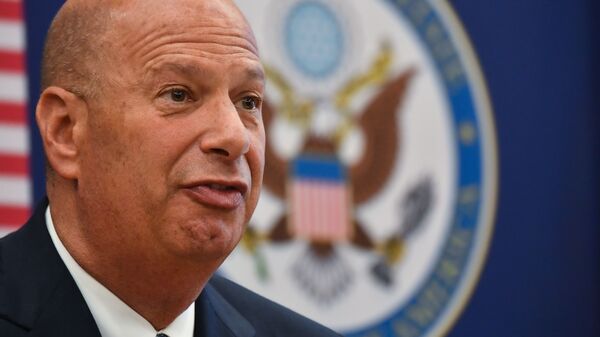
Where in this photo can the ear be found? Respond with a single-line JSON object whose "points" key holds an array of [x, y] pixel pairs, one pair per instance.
{"points": [[62, 117]]}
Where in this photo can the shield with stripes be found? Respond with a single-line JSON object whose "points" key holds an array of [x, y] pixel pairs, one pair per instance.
{"points": [[319, 199]]}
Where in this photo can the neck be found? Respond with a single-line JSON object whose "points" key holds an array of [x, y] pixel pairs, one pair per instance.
{"points": [[157, 286]]}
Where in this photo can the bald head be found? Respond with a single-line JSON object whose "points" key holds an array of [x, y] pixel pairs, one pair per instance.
{"points": [[78, 43], [74, 47]]}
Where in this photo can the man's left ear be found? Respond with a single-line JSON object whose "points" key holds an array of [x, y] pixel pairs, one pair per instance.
{"points": [[62, 119]]}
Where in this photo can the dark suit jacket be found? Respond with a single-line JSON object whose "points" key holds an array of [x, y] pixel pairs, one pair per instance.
{"points": [[38, 297]]}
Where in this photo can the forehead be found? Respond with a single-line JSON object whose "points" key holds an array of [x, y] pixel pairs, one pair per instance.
{"points": [[214, 28]]}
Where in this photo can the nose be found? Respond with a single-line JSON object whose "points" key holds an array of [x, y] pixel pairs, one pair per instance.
{"points": [[226, 135]]}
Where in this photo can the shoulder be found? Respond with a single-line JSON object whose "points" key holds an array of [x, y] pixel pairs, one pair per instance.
{"points": [[26, 245], [267, 317]]}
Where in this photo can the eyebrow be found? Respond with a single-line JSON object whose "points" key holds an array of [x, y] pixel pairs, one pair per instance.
{"points": [[256, 73], [251, 72]]}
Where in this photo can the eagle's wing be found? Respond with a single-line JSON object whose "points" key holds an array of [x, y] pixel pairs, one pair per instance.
{"points": [[275, 167], [378, 121]]}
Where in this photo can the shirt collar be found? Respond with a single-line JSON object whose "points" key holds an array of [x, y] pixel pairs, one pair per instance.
{"points": [[113, 317]]}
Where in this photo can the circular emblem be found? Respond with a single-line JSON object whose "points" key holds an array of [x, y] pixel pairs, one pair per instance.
{"points": [[314, 38], [380, 177]]}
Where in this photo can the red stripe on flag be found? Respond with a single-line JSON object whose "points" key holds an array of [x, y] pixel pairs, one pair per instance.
{"points": [[11, 10], [13, 113], [313, 195], [298, 211], [13, 62], [329, 225], [14, 165], [321, 210], [13, 216]]}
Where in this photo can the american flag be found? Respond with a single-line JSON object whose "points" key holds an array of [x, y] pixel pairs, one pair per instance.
{"points": [[319, 199], [15, 181]]}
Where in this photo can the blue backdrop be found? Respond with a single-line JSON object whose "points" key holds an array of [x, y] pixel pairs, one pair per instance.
{"points": [[542, 276]]}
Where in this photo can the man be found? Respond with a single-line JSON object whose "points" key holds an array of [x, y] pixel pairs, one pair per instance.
{"points": [[150, 117]]}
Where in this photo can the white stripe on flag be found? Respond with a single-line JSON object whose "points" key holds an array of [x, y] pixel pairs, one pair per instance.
{"points": [[14, 191], [14, 88], [12, 36], [4, 230], [14, 139]]}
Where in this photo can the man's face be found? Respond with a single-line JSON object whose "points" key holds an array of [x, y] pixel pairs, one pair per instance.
{"points": [[173, 154]]}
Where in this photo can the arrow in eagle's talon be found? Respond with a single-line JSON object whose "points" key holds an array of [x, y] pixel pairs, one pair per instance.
{"points": [[382, 273]]}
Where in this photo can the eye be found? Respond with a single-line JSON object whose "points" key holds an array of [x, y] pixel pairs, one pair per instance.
{"points": [[250, 102], [176, 95]]}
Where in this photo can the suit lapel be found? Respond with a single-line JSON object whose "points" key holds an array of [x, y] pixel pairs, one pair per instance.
{"points": [[37, 292], [216, 317], [65, 314]]}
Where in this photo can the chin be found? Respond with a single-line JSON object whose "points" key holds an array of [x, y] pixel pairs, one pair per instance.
{"points": [[214, 241]]}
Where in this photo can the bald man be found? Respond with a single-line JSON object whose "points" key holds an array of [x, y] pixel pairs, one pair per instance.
{"points": [[151, 122]]}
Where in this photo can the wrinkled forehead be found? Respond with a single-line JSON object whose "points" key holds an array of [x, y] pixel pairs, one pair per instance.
{"points": [[139, 20]]}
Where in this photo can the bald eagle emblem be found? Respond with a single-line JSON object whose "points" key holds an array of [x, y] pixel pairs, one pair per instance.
{"points": [[321, 190]]}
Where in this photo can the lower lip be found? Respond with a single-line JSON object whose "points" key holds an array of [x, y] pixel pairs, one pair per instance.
{"points": [[227, 199]]}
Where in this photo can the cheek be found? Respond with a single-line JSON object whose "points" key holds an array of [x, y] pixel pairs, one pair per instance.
{"points": [[111, 172], [259, 155], [152, 164], [256, 161], [126, 159], [256, 153]]}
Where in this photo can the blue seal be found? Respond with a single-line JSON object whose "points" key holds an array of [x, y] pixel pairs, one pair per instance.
{"points": [[433, 307], [314, 39]]}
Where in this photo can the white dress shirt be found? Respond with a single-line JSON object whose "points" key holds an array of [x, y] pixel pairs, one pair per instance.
{"points": [[113, 317]]}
